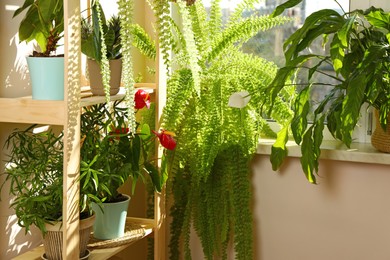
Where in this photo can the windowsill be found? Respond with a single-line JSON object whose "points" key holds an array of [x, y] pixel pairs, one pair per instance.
{"points": [[334, 150]]}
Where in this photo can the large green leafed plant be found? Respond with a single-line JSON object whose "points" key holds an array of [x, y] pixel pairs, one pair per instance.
{"points": [[209, 169], [43, 22], [357, 71]]}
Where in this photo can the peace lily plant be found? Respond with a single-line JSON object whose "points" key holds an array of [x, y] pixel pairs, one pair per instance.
{"points": [[357, 63]]}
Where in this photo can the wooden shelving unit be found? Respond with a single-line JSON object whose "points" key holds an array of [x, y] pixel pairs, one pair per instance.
{"points": [[67, 114], [146, 227]]}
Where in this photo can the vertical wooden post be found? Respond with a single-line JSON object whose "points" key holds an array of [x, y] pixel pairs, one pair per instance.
{"points": [[159, 201], [71, 130]]}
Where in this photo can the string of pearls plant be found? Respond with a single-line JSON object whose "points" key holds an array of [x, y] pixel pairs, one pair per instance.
{"points": [[125, 15], [104, 63], [125, 8]]}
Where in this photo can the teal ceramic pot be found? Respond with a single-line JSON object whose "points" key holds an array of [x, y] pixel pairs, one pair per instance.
{"points": [[47, 77], [110, 219]]}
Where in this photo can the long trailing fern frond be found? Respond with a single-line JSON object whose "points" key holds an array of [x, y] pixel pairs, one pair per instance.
{"points": [[215, 21], [198, 16], [161, 9], [242, 31], [240, 8], [143, 42], [189, 37]]}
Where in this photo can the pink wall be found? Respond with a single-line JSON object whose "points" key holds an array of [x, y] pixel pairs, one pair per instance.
{"points": [[346, 216]]}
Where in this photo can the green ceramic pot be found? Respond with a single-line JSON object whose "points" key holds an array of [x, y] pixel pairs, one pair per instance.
{"points": [[47, 77], [110, 219]]}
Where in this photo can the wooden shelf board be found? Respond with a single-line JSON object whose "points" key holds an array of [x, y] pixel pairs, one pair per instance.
{"points": [[97, 254], [26, 110], [29, 111], [87, 99]]}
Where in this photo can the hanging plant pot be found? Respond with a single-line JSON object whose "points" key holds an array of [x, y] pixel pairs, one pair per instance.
{"points": [[380, 139], [95, 77], [47, 77], [52, 241], [110, 219]]}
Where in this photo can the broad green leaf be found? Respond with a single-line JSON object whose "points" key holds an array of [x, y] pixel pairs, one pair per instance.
{"points": [[379, 19], [343, 33], [28, 25], [317, 24], [41, 40], [145, 132], [320, 30], [340, 43], [351, 106], [26, 4], [279, 149], [337, 54]]}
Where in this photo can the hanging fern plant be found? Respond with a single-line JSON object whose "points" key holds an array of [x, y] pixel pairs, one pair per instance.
{"points": [[209, 169]]}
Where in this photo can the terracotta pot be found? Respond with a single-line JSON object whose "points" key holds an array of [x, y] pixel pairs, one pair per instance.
{"points": [[381, 139], [95, 77]]}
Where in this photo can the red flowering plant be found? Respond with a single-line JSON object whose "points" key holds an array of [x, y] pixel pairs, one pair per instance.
{"points": [[111, 153]]}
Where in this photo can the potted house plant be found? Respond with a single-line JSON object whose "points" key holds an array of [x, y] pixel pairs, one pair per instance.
{"points": [[357, 62], [215, 142], [35, 174], [111, 154], [91, 46], [44, 23]]}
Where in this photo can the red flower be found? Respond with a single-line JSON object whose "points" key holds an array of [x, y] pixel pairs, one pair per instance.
{"points": [[166, 139], [141, 99]]}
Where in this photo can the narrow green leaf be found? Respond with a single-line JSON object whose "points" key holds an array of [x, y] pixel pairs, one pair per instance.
{"points": [[308, 159], [279, 149], [154, 175], [301, 110], [280, 9], [317, 139], [136, 152]]}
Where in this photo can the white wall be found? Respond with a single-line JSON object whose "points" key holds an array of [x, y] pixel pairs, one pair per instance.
{"points": [[363, 4], [14, 82]]}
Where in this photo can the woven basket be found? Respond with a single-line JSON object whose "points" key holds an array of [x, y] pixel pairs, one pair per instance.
{"points": [[381, 139]]}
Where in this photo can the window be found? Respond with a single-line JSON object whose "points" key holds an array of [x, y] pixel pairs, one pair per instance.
{"points": [[270, 44]]}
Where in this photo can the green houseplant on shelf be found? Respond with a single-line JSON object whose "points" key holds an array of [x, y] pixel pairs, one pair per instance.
{"points": [[44, 23], [111, 154], [357, 63], [94, 30], [34, 173], [209, 171]]}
